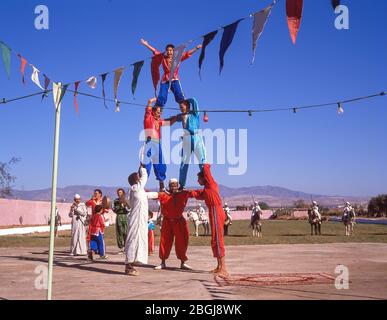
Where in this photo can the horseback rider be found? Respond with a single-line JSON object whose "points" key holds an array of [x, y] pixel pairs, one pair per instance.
{"points": [[348, 212], [228, 220], [256, 213], [315, 211], [201, 212]]}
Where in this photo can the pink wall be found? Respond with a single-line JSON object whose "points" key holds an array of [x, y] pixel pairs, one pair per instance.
{"points": [[33, 212], [37, 213]]}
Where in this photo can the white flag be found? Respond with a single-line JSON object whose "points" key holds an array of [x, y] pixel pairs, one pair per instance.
{"points": [[260, 19], [56, 93], [35, 77], [92, 82], [177, 54]]}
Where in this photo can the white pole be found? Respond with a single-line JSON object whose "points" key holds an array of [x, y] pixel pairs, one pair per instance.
{"points": [[53, 188]]}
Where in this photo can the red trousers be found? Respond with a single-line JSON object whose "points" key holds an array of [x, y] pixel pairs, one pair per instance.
{"points": [[174, 229], [217, 218], [151, 241]]}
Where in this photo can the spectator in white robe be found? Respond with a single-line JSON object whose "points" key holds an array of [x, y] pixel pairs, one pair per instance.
{"points": [[78, 213], [136, 245]]}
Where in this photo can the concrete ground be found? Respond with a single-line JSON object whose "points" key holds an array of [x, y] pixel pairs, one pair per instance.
{"points": [[75, 278]]}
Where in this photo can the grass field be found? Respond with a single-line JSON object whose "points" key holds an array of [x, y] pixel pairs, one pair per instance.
{"points": [[274, 232]]}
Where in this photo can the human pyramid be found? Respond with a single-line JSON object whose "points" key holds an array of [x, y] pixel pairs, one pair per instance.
{"points": [[173, 200]]}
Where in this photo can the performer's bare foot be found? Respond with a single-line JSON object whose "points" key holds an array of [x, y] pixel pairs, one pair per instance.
{"points": [[216, 270], [222, 273]]}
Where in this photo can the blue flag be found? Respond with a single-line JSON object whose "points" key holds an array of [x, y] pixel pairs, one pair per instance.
{"points": [[228, 36]]}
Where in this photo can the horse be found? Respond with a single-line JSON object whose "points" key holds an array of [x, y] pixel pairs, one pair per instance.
{"points": [[315, 223], [349, 222], [256, 225], [194, 217]]}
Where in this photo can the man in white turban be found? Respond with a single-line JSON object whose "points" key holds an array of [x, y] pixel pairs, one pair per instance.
{"points": [[78, 213]]}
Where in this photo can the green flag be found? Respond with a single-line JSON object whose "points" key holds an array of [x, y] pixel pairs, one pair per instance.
{"points": [[6, 55], [136, 72]]}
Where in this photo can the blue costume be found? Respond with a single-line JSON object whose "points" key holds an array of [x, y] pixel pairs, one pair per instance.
{"points": [[192, 141]]}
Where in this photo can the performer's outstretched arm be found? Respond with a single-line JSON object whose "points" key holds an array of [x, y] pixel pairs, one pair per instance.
{"points": [[146, 44]]}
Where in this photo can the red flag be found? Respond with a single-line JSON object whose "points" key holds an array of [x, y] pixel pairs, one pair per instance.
{"points": [[76, 85], [294, 13], [22, 67], [155, 69]]}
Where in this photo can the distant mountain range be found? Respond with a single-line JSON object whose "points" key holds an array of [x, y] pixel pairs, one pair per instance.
{"points": [[274, 196]]}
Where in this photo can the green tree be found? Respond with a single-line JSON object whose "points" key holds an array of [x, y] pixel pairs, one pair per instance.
{"points": [[300, 204], [378, 206], [6, 179], [263, 205]]}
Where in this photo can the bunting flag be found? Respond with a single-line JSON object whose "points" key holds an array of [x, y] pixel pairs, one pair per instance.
{"points": [[63, 91], [136, 72], [260, 19], [176, 59], [103, 77], [155, 69], [335, 3], [294, 14], [228, 36], [22, 67], [92, 82], [35, 76], [206, 41], [117, 78], [76, 86], [46, 84], [56, 93], [6, 56]]}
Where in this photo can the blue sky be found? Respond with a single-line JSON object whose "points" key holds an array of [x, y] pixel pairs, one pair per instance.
{"points": [[313, 151]]}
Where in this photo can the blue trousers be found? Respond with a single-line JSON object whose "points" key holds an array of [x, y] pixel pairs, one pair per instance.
{"points": [[163, 93], [154, 155], [191, 143], [97, 244]]}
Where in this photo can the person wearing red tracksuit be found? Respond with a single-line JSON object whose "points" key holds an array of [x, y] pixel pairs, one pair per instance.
{"points": [[174, 225], [210, 195]]}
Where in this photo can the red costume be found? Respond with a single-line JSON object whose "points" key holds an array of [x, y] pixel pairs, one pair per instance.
{"points": [[161, 59], [92, 204], [210, 194], [174, 224], [151, 125]]}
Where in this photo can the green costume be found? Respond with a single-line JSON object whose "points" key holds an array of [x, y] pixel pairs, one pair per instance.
{"points": [[121, 210]]}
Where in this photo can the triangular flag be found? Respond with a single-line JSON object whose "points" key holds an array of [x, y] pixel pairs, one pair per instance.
{"points": [[260, 19], [46, 84], [76, 86], [206, 41], [92, 82], [335, 3], [56, 93], [136, 72], [227, 37], [6, 55], [63, 92], [22, 67], [294, 14], [176, 58], [117, 78], [103, 76], [35, 77], [155, 69]]}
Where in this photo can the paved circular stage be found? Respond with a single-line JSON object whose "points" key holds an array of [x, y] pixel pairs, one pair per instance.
{"points": [[256, 272]]}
